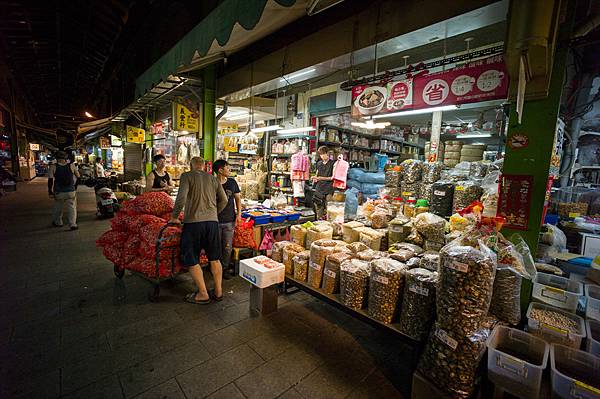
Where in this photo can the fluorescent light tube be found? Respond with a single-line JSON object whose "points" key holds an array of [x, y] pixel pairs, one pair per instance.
{"points": [[472, 136], [265, 129], [417, 111], [237, 117], [297, 130], [295, 75], [370, 125]]}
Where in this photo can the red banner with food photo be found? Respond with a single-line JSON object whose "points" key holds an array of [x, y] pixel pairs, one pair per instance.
{"points": [[476, 81], [369, 100]]}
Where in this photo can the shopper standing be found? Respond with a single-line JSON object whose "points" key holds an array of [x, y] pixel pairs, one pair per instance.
{"points": [[230, 215], [203, 198], [99, 168], [61, 187], [323, 182], [159, 179]]}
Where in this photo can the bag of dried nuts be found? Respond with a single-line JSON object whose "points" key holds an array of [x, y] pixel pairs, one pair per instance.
{"points": [[301, 265], [411, 171], [430, 261], [319, 250], [354, 283], [465, 192], [320, 231], [418, 303], [357, 247], [385, 287], [331, 273], [298, 234], [289, 251], [277, 250], [431, 226], [466, 281]]}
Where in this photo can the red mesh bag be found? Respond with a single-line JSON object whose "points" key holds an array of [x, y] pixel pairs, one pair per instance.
{"points": [[130, 249], [111, 236], [128, 207], [149, 235], [122, 222], [154, 203], [143, 220], [114, 253], [147, 265]]}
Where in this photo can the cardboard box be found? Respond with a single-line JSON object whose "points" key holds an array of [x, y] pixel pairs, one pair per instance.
{"points": [[259, 275]]}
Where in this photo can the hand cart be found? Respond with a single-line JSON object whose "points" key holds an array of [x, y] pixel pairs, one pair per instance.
{"points": [[160, 246]]}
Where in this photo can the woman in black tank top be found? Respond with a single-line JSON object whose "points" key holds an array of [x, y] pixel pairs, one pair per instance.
{"points": [[157, 182]]}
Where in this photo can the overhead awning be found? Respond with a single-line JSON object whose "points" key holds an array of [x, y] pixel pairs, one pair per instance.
{"points": [[231, 26], [93, 125]]}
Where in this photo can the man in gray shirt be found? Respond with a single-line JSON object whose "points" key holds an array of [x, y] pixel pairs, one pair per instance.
{"points": [[203, 198]]}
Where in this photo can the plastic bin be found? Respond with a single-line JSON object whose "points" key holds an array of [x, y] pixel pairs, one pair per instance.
{"points": [[592, 296], [516, 361], [258, 220], [552, 334], [592, 327], [292, 217], [278, 218], [557, 291], [575, 373]]}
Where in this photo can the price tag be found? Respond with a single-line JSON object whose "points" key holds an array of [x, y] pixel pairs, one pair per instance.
{"points": [[439, 193], [417, 289], [574, 214], [445, 338], [512, 364], [554, 293], [380, 279], [459, 188], [315, 266], [330, 273], [458, 266], [560, 331], [579, 386]]}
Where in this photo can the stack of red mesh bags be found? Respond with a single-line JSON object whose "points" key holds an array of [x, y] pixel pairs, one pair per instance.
{"points": [[132, 242]]}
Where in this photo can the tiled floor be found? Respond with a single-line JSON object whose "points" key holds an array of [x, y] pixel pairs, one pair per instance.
{"points": [[69, 328]]}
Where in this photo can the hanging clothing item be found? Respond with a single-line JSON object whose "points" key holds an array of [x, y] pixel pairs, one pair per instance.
{"points": [[182, 154], [340, 173], [300, 165], [194, 151], [267, 241]]}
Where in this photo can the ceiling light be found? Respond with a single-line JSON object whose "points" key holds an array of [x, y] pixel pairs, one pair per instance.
{"points": [[418, 111], [88, 114], [371, 125], [295, 75], [297, 130], [237, 117], [265, 129], [472, 136]]}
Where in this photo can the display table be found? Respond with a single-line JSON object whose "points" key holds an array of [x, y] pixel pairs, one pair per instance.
{"points": [[259, 231]]}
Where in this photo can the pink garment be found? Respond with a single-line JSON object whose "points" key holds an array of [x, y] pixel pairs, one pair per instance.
{"points": [[340, 173], [300, 165]]}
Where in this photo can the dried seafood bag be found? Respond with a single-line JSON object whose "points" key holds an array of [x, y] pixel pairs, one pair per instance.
{"points": [[319, 231], [451, 359], [392, 178], [478, 169], [418, 303], [331, 273], [398, 229], [442, 197], [415, 237], [430, 226], [411, 171], [301, 261], [289, 251], [465, 192], [277, 250], [298, 234], [425, 191], [386, 284], [466, 280], [430, 261], [354, 283], [319, 250], [383, 246], [350, 234], [432, 172]]}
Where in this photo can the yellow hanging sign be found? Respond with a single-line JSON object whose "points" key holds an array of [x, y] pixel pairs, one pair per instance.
{"points": [[135, 134], [185, 119]]}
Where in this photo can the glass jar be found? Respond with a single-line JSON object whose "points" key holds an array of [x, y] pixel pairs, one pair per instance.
{"points": [[409, 208], [421, 206]]}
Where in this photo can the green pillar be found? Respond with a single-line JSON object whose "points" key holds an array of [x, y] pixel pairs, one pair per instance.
{"points": [[209, 123]]}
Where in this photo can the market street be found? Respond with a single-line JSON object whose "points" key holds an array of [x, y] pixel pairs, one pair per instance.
{"points": [[71, 329]]}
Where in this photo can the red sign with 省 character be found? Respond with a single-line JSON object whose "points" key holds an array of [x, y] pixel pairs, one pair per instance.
{"points": [[514, 200]]}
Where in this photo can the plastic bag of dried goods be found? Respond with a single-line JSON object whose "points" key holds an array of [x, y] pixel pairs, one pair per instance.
{"points": [[412, 263], [319, 231], [393, 177], [432, 171], [277, 250], [465, 192], [478, 169], [386, 283], [369, 255], [412, 249], [349, 232], [357, 247], [301, 265], [319, 250], [331, 273], [430, 261], [431, 226], [110, 237], [398, 229], [370, 238], [289, 251], [418, 303], [153, 203], [442, 197], [298, 234], [411, 171], [354, 283], [466, 280], [415, 237]]}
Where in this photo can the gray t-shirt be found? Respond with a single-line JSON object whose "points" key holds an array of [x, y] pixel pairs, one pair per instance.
{"points": [[201, 195]]}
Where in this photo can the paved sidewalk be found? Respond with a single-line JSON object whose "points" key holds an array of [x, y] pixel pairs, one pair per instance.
{"points": [[69, 328]]}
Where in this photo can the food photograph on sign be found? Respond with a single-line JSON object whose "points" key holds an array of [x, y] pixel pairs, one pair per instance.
{"points": [[370, 100]]}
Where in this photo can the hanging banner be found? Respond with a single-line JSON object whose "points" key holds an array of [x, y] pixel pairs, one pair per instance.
{"points": [[104, 143], [135, 134], [476, 81], [370, 100], [185, 119], [514, 200]]}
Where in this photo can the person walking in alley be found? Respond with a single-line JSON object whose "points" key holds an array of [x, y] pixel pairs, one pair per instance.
{"points": [[61, 187], [202, 198], [230, 215]]}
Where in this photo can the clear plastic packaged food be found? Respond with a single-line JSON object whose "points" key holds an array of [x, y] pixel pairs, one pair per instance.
{"points": [[431, 226], [331, 273], [398, 229], [411, 171], [466, 192], [298, 234], [430, 261], [418, 303], [385, 287], [350, 234], [320, 231], [432, 171], [301, 265], [354, 283], [277, 250], [442, 197], [289, 251]]}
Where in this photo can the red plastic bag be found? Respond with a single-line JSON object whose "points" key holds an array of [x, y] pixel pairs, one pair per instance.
{"points": [[243, 235]]}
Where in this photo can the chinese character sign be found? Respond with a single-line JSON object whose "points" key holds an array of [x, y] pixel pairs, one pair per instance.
{"points": [[514, 200], [185, 119], [474, 82], [135, 135]]}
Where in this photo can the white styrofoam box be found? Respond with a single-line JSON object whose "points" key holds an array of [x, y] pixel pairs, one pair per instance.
{"points": [[557, 291], [592, 296], [259, 275]]}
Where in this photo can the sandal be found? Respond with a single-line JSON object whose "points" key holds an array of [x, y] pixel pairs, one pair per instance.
{"points": [[212, 295], [191, 298]]}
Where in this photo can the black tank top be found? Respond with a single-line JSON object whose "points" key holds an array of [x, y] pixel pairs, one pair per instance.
{"points": [[159, 179]]}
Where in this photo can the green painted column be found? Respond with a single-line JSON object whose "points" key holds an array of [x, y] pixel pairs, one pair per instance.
{"points": [[209, 123]]}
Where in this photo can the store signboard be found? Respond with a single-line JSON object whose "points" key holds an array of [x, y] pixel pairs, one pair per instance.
{"points": [[104, 143], [157, 128], [514, 200], [392, 97], [476, 81], [34, 147], [185, 119], [135, 134]]}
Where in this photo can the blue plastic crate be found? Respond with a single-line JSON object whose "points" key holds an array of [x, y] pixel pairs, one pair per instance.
{"points": [[278, 218], [293, 217], [258, 220]]}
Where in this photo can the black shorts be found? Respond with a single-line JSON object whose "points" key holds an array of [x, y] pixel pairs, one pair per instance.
{"points": [[199, 236]]}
